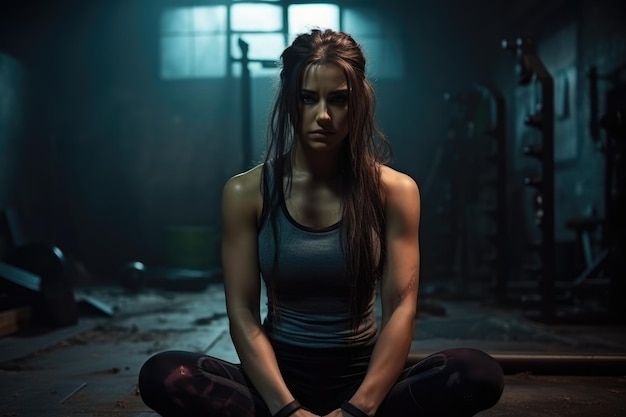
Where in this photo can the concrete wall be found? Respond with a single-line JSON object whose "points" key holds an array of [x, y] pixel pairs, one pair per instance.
{"points": [[11, 122]]}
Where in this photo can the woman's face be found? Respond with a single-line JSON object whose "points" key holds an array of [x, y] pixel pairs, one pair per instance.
{"points": [[323, 107]]}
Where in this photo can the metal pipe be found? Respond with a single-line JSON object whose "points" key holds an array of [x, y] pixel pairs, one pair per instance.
{"points": [[553, 363]]}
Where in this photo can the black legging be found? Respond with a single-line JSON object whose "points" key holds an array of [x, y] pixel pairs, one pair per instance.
{"points": [[450, 383]]}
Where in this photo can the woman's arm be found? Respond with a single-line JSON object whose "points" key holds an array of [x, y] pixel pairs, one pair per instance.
{"points": [[398, 291], [241, 202]]}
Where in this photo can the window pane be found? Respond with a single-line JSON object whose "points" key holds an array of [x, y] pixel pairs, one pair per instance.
{"points": [[209, 56], [256, 70], [260, 45], [361, 22], [175, 20], [210, 19], [303, 17], [175, 57], [256, 17]]}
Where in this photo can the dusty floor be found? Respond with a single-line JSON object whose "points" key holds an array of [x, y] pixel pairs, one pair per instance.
{"points": [[90, 369]]}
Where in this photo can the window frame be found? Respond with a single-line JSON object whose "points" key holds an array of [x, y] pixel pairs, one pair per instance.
{"points": [[232, 56]]}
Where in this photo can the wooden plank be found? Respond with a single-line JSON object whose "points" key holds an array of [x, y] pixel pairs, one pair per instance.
{"points": [[13, 347], [15, 319]]}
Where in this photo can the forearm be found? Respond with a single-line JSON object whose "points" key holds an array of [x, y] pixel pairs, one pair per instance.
{"points": [[259, 361], [387, 361]]}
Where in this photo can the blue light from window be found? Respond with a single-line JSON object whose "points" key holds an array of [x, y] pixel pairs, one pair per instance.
{"points": [[193, 42], [209, 19], [261, 46], [256, 17], [210, 56], [194, 39], [303, 17], [175, 57], [175, 20]]}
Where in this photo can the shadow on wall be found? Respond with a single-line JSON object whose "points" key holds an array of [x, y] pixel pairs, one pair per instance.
{"points": [[11, 123]]}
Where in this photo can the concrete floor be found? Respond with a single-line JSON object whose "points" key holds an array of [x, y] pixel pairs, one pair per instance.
{"points": [[90, 369]]}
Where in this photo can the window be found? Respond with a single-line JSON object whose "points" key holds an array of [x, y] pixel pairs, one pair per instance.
{"points": [[265, 37], [303, 17], [245, 17], [193, 42], [203, 41]]}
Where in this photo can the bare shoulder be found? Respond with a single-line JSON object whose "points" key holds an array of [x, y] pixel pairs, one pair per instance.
{"points": [[398, 185], [245, 183], [402, 201], [243, 191]]}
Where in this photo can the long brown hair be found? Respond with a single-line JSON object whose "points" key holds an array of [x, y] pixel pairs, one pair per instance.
{"points": [[365, 149]]}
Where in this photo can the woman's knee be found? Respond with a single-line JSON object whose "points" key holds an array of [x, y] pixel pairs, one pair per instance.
{"points": [[152, 366], [481, 373], [482, 366], [455, 382], [156, 371]]}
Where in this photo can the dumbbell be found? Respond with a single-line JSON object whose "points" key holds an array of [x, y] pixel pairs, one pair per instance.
{"points": [[53, 297], [132, 276], [136, 275]]}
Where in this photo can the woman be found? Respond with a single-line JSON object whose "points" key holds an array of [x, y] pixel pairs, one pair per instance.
{"points": [[327, 226]]}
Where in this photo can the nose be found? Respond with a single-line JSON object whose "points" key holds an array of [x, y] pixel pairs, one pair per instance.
{"points": [[322, 114]]}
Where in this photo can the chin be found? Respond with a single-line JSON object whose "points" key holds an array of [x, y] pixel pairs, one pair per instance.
{"points": [[325, 146]]}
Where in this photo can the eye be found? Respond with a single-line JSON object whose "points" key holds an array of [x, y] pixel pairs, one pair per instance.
{"points": [[340, 99], [308, 98]]}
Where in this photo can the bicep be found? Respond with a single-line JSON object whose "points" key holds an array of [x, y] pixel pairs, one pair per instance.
{"points": [[239, 251], [401, 276]]}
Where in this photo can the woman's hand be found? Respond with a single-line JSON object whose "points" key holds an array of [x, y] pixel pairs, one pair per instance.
{"points": [[304, 413], [337, 413]]}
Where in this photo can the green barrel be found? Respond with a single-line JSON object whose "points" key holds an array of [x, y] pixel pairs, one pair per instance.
{"points": [[192, 247]]}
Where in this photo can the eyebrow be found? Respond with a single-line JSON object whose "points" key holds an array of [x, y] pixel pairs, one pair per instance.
{"points": [[332, 93]]}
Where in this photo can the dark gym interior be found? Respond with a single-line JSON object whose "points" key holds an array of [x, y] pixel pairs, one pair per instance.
{"points": [[120, 121]]}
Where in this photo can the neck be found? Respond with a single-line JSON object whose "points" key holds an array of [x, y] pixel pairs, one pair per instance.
{"points": [[321, 166]]}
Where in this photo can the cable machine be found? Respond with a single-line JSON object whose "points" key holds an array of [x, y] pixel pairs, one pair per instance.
{"points": [[530, 68]]}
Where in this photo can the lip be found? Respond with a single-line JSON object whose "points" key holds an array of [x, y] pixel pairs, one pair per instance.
{"points": [[321, 132]]}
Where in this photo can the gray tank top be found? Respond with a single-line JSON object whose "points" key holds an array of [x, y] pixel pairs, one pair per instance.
{"points": [[311, 289]]}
